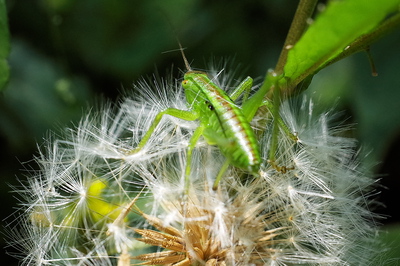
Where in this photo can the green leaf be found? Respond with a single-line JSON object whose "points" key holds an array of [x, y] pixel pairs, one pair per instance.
{"points": [[4, 45], [336, 27]]}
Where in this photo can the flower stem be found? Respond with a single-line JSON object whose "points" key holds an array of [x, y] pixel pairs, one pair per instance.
{"points": [[297, 28]]}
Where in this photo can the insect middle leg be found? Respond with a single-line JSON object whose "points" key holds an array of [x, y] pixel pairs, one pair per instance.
{"points": [[192, 144], [244, 86], [181, 114], [220, 174]]}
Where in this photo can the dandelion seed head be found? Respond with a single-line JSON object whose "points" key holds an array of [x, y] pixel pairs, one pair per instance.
{"points": [[308, 206]]}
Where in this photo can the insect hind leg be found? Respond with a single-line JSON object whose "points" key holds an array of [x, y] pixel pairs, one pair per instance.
{"points": [[278, 123], [244, 86]]}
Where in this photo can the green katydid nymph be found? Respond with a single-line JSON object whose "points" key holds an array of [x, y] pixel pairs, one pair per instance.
{"points": [[222, 122]]}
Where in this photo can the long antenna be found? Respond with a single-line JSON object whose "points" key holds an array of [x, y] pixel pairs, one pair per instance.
{"points": [[184, 58]]}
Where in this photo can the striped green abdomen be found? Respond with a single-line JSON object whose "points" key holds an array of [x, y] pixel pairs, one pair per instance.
{"points": [[243, 149], [226, 120]]}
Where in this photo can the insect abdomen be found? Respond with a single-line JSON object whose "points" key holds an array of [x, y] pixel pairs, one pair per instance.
{"points": [[227, 119], [237, 141], [244, 149]]}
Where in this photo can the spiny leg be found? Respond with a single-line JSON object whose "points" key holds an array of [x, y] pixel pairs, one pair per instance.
{"points": [[192, 144], [185, 115], [220, 174], [278, 123], [244, 86], [278, 119], [213, 138]]}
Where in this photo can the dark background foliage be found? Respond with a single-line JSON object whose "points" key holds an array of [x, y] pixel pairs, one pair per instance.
{"points": [[67, 55]]}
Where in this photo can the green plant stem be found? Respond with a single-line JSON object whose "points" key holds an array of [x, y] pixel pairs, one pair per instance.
{"points": [[275, 127], [304, 11]]}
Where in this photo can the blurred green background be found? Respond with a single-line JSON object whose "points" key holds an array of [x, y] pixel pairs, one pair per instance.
{"points": [[68, 55]]}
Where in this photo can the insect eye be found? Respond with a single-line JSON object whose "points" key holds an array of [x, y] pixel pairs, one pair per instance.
{"points": [[209, 105], [185, 82]]}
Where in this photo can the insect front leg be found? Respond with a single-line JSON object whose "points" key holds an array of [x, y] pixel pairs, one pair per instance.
{"points": [[181, 114], [192, 144], [244, 86]]}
